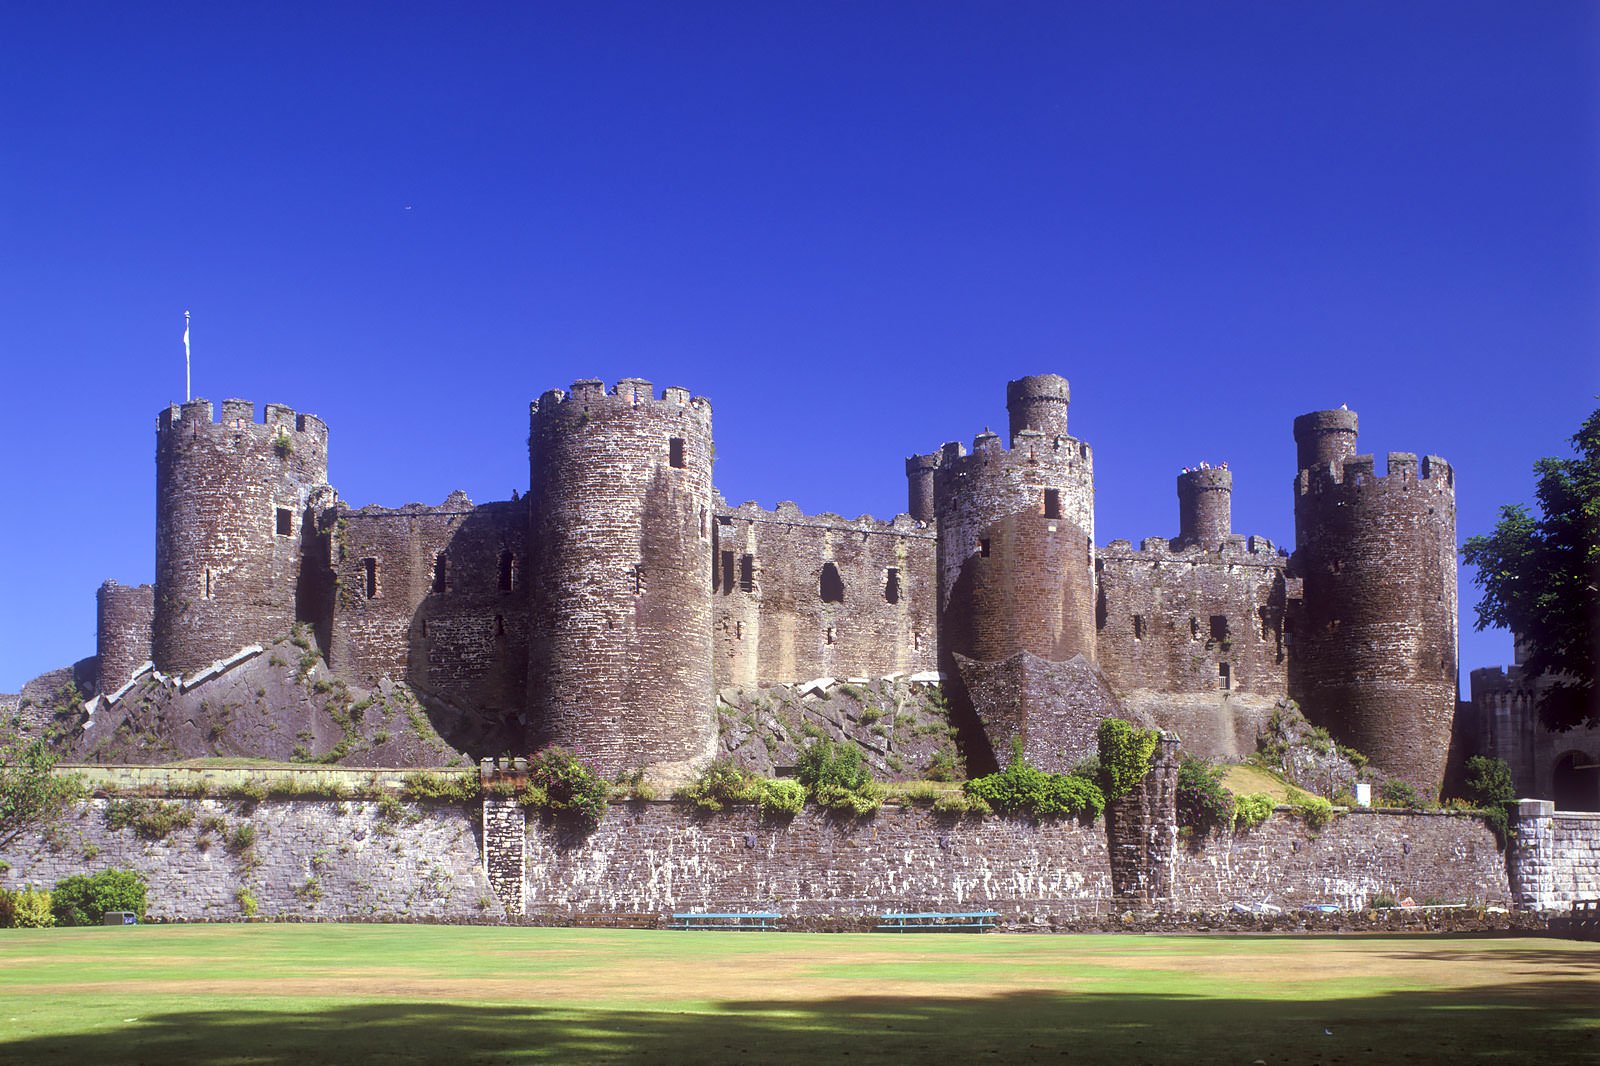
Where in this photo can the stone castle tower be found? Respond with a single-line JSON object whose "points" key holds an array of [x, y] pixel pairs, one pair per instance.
{"points": [[1374, 656], [603, 610]]}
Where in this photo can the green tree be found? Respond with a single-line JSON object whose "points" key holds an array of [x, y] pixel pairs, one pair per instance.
{"points": [[1540, 576], [31, 794]]}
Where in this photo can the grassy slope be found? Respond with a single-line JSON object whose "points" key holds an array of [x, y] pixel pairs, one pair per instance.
{"points": [[309, 995], [1242, 778]]}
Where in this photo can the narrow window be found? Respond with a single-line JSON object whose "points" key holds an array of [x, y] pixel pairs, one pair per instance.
{"points": [[369, 569], [1138, 627], [1266, 621], [675, 452], [424, 627], [208, 583], [738, 631], [1194, 628], [832, 585], [638, 581], [983, 547], [1219, 627], [747, 573], [285, 522], [891, 585], [441, 573], [507, 564], [1052, 503], [726, 577], [829, 635], [499, 625], [1224, 677]]}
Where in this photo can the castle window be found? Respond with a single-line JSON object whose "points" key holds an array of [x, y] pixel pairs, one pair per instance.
{"points": [[983, 547], [369, 577], [1194, 628], [725, 576], [1224, 677], [285, 522], [1266, 621], [1138, 627], [1052, 503], [891, 585], [1219, 627], [638, 581], [675, 452], [829, 635], [832, 585], [507, 570], [499, 625], [207, 593], [747, 573], [441, 573]]}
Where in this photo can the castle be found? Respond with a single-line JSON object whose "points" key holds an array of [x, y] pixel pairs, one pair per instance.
{"points": [[604, 609]]}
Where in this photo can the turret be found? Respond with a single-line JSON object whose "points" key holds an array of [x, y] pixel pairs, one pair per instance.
{"points": [[620, 635], [919, 486], [1373, 657], [231, 514], [1038, 402], [1205, 507], [123, 620]]}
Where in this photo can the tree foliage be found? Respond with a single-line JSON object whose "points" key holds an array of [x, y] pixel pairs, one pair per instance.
{"points": [[83, 899], [1540, 576], [31, 794]]}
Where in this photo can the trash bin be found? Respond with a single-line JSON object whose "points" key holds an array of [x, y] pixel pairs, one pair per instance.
{"points": [[120, 918]]}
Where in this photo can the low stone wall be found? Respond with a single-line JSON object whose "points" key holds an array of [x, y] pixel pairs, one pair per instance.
{"points": [[309, 859], [1555, 856]]}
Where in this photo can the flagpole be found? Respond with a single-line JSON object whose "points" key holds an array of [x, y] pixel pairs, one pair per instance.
{"points": [[186, 391]]}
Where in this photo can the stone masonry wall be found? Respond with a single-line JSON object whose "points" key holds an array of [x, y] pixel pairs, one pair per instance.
{"points": [[1555, 856], [779, 616], [311, 859]]}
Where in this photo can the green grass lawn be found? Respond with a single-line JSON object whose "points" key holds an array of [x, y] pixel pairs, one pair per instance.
{"points": [[309, 995]]}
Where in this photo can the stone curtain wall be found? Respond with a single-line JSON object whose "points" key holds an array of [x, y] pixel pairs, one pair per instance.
{"points": [[773, 623], [311, 859], [1555, 856]]}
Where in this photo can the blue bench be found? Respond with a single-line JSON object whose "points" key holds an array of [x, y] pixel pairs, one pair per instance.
{"points": [[939, 922], [750, 921]]}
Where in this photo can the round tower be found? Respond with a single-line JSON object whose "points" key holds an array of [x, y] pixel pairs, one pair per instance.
{"points": [[1324, 437], [620, 634], [231, 512], [1373, 657], [1016, 535], [123, 618], [1205, 507], [1038, 402], [919, 486]]}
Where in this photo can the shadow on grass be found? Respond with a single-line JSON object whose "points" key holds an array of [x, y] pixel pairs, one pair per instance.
{"points": [[1548, 1022]]}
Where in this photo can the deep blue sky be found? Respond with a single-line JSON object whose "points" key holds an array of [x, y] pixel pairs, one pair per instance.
{"points": [[846, 224]]}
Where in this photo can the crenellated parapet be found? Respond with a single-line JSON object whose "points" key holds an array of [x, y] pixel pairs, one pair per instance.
{"points": [[1375, 641], [233, 499]]}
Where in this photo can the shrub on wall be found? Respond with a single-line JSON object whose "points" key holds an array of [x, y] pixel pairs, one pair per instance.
{"points": [[1204, 803], [1489, 787], [459, 786], [1315, 811], [83, 899], [1125, 753], [1024, 789], [25, 908], [1398, 793], [1251, 809], [837, 778], [561, 785]]}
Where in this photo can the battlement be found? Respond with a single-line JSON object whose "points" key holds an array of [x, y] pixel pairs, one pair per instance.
{"points": [[788, 513], [1029, 446], [1236, 547], [197, 417], [1323, 437], [630, 392], [1358, 473]]}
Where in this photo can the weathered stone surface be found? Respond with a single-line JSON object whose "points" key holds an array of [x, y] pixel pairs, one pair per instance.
{"points": [[1053, 709]]}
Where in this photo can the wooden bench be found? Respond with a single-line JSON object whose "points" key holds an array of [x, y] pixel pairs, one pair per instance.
{"points": [[1584, 921], [939, 922], [748, 921], [616, 920]]}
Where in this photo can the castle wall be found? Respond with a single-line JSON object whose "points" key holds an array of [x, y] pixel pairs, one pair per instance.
{"points": [[1194, 638], [620, 638], [1374, 656], [232, 499], [774, 621], [1505, 716], [435, 596], [1555, 856], [124, 619]]}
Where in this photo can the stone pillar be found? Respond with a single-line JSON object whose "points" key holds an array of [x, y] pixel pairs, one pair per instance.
{"points": [[1142, 831], [1530, 855]]}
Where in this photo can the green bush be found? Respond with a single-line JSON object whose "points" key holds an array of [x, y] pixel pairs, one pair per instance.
{"points": [[722, 783], [1489, 786], [1398, 793], [25, 908], [1204, 803], [1024, 789], [452, 787], [149, 820], [561, 785], [1125, 753], [961, 803], [781, 799], [837, 778], [83, 899], [247, 901], [1315, 811], [1251, 809]]}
